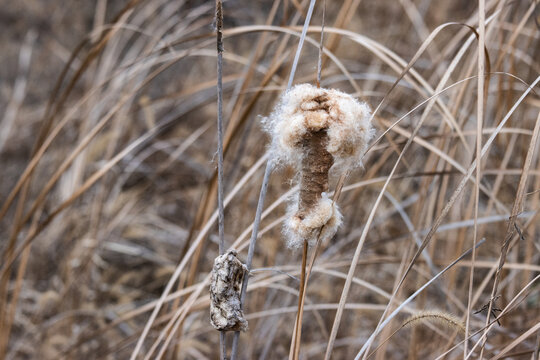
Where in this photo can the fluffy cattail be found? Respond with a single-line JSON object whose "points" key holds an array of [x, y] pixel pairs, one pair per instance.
{"points": [[225, 309], [316, 129]]}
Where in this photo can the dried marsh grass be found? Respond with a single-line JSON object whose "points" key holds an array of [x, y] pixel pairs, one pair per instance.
{"points": [[109, 213]]}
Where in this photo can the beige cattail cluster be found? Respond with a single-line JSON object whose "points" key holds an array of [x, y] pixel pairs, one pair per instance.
{"points": [[316, 129], [225, 308]]}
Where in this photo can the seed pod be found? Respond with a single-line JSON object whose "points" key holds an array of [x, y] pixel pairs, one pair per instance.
{"points": [[313, 130], [225, 309]]}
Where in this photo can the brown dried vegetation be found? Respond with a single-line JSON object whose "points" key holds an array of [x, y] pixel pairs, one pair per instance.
{"points": [[108, 178]]}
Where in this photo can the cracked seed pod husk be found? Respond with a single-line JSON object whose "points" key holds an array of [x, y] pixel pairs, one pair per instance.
{"points": [[316, 130], [225, 308]]}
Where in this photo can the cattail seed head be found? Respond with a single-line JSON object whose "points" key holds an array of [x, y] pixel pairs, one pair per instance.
{"points": [[306, 108], [314, 130]]}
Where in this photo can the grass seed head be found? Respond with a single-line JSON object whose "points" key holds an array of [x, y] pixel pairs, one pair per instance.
{"points": [[441, 318], [297, 229]]}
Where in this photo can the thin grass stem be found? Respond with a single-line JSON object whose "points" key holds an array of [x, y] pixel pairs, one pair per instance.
{"points": [[221, 215]]}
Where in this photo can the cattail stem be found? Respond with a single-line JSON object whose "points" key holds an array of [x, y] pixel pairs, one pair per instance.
{"points": [[297, 334]]}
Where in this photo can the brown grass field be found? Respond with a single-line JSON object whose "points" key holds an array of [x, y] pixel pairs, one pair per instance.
{"points": [[109, 185]]}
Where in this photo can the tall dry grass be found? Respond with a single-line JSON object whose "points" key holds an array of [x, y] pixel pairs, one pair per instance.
{"points": [[108, 198]]}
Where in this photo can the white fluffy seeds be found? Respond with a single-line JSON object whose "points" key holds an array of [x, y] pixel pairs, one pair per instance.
{"points": [[305, 113], [296, 230], [301, 110]]}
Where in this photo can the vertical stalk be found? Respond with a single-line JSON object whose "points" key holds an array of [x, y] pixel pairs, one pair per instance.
{"points": [[264, 185], [295, 343], [219, 42]]}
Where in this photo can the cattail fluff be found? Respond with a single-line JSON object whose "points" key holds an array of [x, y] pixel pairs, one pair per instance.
{"points": [[315, 129]]}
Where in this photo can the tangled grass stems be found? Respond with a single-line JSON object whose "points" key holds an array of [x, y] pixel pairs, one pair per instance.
{"points": [[481, 98], [409, 299], [449, 204], [127, 213], [264, 185]]}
